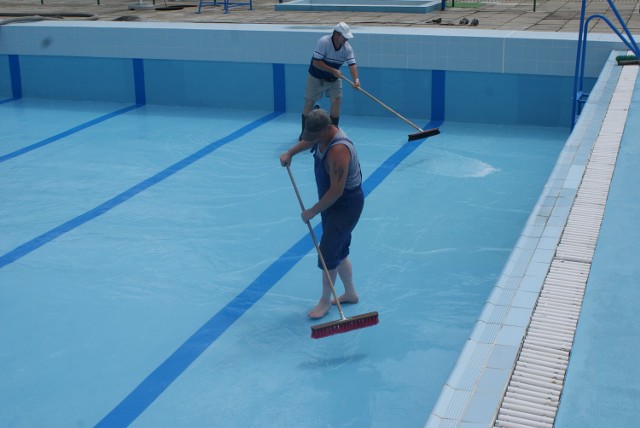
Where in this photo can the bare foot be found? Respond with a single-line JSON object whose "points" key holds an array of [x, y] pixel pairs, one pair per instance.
{"points": [[320, 310], [346, 298]]}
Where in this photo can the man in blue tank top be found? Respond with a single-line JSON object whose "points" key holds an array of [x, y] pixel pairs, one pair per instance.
{"points": [[340, 200], [324, 76]]}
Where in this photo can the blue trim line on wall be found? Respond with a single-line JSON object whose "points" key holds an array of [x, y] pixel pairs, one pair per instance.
{"points": [[16, 79], [279, 91], [134, 404], [138, 81], [437, 95]]}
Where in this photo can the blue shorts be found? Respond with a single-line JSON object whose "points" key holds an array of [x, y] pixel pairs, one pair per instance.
{"points": [[338, 221]]}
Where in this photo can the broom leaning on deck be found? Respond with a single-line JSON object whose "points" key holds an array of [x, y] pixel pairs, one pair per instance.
{"points": [[344, 324]]}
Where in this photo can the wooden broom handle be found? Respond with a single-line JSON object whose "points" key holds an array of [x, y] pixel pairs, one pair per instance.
{"points": [[384, 105], [315, 242]]}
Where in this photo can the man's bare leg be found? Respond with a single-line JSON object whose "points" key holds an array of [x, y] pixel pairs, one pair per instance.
{"points": [[345, 271], [324, 304], [334, 110]]}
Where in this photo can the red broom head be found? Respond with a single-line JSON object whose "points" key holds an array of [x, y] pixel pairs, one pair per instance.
{"points": [[344, 326]]}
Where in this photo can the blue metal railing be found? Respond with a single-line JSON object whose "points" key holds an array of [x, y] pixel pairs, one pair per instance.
{"points": [[226, 3], [579, 96]]}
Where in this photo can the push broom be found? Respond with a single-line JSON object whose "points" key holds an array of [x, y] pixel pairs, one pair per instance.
{"points": [[344, 324], [412, 137]]}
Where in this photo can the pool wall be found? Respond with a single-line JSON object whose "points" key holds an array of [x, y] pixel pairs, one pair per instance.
{"points": [[460, 75], [380, 6]]}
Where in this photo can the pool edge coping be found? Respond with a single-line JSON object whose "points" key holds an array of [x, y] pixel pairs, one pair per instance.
{"points": [[479, 378]]}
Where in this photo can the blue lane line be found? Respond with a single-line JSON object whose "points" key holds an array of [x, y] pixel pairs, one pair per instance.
{"points": [[393, 161], [150, 388], [146, 392], [49, 236], [67, 133], [8, 100]]}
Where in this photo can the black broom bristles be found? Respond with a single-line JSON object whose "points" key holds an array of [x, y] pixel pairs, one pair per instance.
{"points": [[424, 134], [344, 325]]}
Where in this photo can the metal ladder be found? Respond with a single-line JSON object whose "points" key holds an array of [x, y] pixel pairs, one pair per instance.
{"points": [[579, 96]]}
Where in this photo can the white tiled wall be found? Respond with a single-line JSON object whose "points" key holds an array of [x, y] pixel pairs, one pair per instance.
{"points": [[412, 48]]}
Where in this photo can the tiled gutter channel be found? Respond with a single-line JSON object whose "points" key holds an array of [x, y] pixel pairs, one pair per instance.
{"points": [[552, 250], [533, 393]]}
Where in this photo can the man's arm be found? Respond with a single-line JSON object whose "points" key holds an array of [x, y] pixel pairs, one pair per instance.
{"points": [[319, 64], [301, 146], [354, 73]]}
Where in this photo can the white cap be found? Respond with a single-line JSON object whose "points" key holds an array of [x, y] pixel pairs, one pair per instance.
{"points": [[343, 29]]}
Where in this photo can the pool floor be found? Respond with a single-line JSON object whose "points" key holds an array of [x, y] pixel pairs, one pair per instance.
{"points": [[154, 270]]}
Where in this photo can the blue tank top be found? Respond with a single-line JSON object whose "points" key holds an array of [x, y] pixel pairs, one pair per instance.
{"points": [[354, 175]]}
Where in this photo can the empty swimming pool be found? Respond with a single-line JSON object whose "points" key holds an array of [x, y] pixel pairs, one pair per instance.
{"points": [[154, 270], [157, 259]]}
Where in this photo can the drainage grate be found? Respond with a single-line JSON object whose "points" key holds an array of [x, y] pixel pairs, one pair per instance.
{"points": [[533, 393]]}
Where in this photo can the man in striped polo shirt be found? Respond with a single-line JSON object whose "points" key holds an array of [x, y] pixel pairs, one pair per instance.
{"points": [[324, 77]]}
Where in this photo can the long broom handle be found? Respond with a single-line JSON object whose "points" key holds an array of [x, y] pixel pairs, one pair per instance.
{"points": [[385, 106], [315, 242]]}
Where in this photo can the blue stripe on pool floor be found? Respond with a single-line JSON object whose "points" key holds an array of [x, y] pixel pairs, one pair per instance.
{"points": [[58, 231], [162, 377], [68, 132]]}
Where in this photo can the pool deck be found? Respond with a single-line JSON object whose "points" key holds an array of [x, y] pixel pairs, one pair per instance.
{"points": [[601, 385], [551, 16]]}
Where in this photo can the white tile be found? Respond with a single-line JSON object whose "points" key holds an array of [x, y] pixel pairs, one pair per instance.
{"points": [[510, 336], [518, 317], [503, 357], [481, 409], [493, 381], [524, 299]]}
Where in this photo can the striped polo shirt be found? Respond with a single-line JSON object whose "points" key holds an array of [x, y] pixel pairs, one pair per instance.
{"points": [[326, 53]]}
